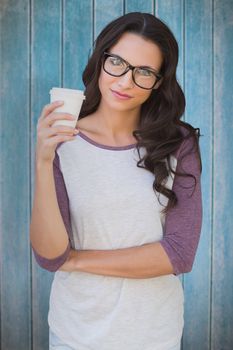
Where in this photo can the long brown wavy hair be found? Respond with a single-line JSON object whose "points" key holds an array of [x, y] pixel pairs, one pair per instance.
{"points": [[160, 119]]}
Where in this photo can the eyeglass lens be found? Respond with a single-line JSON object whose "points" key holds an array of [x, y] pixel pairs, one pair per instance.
{"points": [[142, 76]]}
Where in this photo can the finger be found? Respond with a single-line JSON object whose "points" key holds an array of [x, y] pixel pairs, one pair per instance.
{"points": [[49, 108], [61, 130], [58, 116], [51, 118], [58, 138], [46, 133]]}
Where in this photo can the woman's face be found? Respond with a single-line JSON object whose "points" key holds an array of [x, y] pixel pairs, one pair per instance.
{"points": [[138, 52]]}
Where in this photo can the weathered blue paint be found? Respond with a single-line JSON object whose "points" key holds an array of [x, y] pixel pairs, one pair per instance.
{"points": [[198, 92], [222, 250], [14, 177], [47, 43], [46, 72], [171, 12], [139, 5], [104, 12], [78, 38]]}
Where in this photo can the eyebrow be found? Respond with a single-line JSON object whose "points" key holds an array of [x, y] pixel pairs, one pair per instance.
{"points": [[142, 66]]}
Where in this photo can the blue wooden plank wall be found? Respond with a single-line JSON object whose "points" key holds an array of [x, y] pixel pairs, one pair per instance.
{"points": [[46, 43]]}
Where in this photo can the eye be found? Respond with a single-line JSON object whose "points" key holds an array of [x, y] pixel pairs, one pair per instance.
{"points": [[115, 61], [144, 72]]}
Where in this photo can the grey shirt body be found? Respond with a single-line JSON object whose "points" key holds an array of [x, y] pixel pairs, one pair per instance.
{"points": [[107, 202]]}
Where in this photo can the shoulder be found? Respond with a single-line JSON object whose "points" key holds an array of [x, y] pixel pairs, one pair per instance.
{"points": [[189, 143], [188, 154], [87, 124]]}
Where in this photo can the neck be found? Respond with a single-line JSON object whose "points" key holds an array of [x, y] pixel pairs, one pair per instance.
{"points": [[117, 123]]}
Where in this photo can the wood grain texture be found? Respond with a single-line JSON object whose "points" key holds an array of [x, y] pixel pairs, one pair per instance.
{"points": [[46, 72], [105, 12], [198, 92], [171, 13], [78, 38], [139, 6], [15, 177], [222, 282]]}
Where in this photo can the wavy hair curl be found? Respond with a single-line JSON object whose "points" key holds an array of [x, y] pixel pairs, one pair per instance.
{"points": [[160, 119]]}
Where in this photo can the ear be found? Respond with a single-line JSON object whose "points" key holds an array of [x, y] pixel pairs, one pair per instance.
{"points": [[158, 84]]}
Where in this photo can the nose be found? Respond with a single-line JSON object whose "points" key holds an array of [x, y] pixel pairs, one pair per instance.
{"points": [[126, 80]]}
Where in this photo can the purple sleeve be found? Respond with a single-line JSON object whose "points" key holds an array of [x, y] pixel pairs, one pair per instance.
{"points": [[63, 203], [183, 222]]}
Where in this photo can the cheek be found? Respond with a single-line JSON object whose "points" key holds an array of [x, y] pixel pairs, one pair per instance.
{"points": [[144, 96], [104, 81]]}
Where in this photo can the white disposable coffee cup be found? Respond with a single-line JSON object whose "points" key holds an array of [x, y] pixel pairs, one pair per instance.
{"points": [[73, 100]]}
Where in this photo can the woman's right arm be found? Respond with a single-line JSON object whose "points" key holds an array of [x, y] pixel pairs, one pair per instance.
{"points": [[48, 235]]}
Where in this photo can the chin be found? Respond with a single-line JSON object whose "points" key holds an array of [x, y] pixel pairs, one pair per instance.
{"points": [[123, 107]]}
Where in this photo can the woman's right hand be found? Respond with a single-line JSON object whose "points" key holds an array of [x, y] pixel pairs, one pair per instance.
{"points": [[49, 136]]}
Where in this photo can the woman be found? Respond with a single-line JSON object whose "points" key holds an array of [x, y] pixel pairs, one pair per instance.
{"points": [[117, 211]]}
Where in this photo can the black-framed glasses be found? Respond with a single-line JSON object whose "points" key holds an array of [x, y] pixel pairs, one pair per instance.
{"points": [[143, 76]]}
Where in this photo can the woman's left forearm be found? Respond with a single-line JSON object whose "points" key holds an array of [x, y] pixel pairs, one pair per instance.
{"points": [[146, 261]]}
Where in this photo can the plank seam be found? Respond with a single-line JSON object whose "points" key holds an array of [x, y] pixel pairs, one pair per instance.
{"points": [[93, 25], [1, 186], [212, 189], [156, 8], [62, 38], [30, 158]]}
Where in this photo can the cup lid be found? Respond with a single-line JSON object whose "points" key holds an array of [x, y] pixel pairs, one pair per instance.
{"points": [[68, 91]]}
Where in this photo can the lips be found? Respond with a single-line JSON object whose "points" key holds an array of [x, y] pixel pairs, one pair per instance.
{"points": [[120, 95]]}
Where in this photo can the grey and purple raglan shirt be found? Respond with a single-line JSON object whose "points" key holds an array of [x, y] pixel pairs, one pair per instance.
{"points": [[107, 202]]}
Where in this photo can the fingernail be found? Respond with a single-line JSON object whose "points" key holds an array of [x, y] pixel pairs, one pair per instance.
{"points": [[59, 102], [76, 131]]}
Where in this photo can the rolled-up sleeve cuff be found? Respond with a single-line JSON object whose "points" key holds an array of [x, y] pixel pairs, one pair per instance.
{"points": [[52, 265]]}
